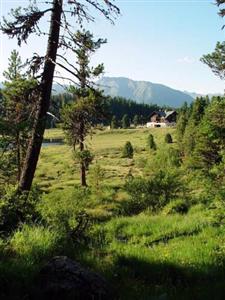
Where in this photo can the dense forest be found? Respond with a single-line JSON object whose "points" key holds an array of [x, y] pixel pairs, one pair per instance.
{"points": [[117, 107]]}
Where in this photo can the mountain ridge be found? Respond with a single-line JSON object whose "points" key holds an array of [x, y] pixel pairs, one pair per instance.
{"points": [[140, 91], [143, 91]]}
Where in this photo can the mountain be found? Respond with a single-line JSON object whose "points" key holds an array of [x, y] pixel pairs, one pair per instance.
{"points": [[140, 91], [195, 95], [143, 91]]}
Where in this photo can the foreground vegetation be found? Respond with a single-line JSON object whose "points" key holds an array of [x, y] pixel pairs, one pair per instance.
{"points": [[172, 250]]}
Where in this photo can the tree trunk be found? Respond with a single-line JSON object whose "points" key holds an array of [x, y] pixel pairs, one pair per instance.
{"points": [[83, 175], [82, 165], [18, 156], [35, 143]]}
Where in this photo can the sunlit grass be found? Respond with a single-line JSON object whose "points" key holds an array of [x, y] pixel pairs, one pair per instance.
{"points": [[146, 256], [56, 168]]}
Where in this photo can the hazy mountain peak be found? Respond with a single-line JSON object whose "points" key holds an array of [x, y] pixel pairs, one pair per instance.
{"points": [[143, 91]]}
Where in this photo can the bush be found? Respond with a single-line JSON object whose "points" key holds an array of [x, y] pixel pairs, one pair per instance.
{"points": [[16, 209], [65, 212], [179, 206], [164, 159], [128, 150], [152, 193], [151, 143], [168, 138]]}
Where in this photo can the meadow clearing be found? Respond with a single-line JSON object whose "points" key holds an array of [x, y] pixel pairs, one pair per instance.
{"points": [[57, 169], [161, 255]]}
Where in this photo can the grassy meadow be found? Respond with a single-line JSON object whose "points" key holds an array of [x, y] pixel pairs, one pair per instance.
{"points": [[145, 256], [57, 170], [174, 252]]}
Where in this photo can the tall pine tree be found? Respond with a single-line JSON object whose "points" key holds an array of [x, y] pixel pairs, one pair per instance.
{"points": [[19, 97], [88, 105]]}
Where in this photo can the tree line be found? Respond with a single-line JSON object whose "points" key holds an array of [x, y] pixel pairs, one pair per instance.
{"points": [[201, 134], [115, 110]]}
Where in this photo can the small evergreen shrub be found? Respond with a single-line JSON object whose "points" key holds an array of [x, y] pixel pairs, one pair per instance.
{"points": [[114, 123], [96, 176], [98, 190], [152, 193], [179, 206], [128, 150], [168, 138], [125, 121], [151, 143]]}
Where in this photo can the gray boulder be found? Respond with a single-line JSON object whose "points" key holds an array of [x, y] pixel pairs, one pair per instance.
{"points": [[63, 279]]}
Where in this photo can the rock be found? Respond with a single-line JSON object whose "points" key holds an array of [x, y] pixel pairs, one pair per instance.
{"points": [[63, 279]]}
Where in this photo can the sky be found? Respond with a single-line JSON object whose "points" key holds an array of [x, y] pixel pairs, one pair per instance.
{"points": [[160, 41]]}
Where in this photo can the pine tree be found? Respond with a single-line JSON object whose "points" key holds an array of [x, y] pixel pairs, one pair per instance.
{"points": [[151, 143], [15, 67], [19, 97], [191, 130], [182, 122], [89, 104], [114, 123], [128, 150], [168, 138], [125, 121], [216, 60], [210, 142], [136, 120]]}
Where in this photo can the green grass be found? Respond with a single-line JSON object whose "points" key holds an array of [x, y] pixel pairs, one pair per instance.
{"points": [[154, 255], [55, 133], [56, 168], [146, 256]]}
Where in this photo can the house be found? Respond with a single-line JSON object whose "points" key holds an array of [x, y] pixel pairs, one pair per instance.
{"points": [[162, 119]]}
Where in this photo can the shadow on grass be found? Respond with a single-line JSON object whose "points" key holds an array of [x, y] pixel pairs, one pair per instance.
{"points": [[138, 279], [132, 278]]}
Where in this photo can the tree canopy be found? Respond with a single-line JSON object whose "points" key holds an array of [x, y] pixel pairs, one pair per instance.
{"points": [[216, 60]]}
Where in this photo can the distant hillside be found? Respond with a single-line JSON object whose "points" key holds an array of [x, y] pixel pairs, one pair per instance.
{"points": [[195, 95], [143, 91], [139, 91]]}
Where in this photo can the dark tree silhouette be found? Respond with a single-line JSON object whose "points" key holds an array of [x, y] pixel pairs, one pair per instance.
{"points": [[25, 22]]}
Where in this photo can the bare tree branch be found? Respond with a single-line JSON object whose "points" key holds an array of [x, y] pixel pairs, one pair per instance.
{"points": [[65, 68], [68, 79], [67, 62]]}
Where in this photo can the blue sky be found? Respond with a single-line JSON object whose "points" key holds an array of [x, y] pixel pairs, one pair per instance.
{"points": [[159, 41]]}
